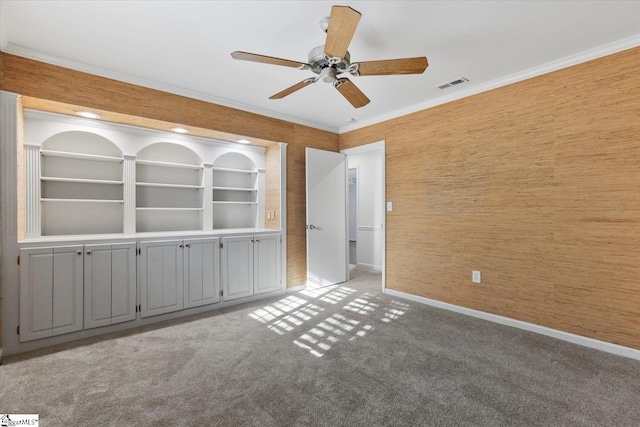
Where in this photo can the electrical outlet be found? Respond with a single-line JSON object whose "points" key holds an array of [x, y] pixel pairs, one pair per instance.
{"points": [[389, 206], [476, 277]]}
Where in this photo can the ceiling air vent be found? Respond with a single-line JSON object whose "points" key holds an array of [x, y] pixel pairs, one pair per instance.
{"points": [[452, 83]]}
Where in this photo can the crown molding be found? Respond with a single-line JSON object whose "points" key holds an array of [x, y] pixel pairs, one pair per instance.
{"points": [[549, 67], [36, 55]]}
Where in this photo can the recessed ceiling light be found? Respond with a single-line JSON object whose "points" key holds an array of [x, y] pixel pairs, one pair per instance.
{"points": [[88, 114], [243, 141], [179, 130]]}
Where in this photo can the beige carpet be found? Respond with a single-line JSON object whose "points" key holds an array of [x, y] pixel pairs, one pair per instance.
{"points": [[345, 355]]}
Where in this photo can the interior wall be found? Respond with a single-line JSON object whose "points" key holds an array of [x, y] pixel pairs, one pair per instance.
{"points": [[50, 82], [534, 184]]}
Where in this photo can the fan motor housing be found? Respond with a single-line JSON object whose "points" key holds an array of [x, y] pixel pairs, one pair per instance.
{"points": [[319, 61]]}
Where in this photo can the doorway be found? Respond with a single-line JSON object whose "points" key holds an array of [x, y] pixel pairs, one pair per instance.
{"points": [[352, 179], [367, 207]]}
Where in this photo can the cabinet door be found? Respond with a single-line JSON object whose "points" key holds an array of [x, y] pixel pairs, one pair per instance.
{"points": [[123, 282], [161, 277], [50, 291], [237, 267], [97, 285], [67, 289], [109, 284], [266, 262], [201, 272], [36, 293]]}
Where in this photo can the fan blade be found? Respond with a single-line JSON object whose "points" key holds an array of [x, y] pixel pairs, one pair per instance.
{"points": [[295, 87], [351, 92], [254, 57], [393, 66], [342, 25]]}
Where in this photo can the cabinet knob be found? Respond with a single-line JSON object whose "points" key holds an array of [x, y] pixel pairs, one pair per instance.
{"points": [[257, 241], [88, 252], [182, 246], [188, 245], [79, 252]]}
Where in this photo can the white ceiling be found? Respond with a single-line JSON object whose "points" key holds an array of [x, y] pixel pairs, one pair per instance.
{"points": [[184, 47]]}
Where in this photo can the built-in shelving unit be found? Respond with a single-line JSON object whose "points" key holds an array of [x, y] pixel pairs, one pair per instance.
{"points": [[84, 177], [169, 194], [81, 185], [235, 191]]}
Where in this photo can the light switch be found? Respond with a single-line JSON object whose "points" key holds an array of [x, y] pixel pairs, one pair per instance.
{"points": [[389, 206]]}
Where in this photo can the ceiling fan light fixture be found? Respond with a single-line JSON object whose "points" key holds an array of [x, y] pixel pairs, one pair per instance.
{"points": [[328, 75]]}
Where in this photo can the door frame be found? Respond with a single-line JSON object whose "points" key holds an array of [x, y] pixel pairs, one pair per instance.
{"points": [[379, 145]]}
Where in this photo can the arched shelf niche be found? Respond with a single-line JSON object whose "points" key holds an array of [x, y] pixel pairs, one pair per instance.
{"points": [[169, 188], [81, 185], [237, 192]]}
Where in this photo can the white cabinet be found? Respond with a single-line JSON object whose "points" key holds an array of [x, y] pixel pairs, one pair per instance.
{"points": [[237, 267], [50, 291], [266, 261], [250, 265], [201, 262], [161, 277], [109, 284], [178, 274]]}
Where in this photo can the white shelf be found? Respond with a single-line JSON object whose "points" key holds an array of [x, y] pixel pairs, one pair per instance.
{"points": [[234, 203], [170, 209], [215, 169], [81, 180], [81, 200], [167, 164], [157, 184], [234, 189], [81, 156]]}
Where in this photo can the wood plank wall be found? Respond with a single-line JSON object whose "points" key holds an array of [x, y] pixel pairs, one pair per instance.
{"points": [[50, 82], [536, 184]]}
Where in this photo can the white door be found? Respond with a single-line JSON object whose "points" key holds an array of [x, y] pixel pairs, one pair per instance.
{"points": [[326, 174], [237, 267], [266, 261], [201, 272]]}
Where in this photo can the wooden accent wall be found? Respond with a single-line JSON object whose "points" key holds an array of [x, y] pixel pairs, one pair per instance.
{"points": [[536, 184], [272, 186], [53, 83]]}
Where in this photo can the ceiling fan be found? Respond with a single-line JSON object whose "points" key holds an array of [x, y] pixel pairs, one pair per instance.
{"points": [[332, 59]]}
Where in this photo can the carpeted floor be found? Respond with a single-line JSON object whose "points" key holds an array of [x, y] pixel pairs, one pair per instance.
{"points": [[339, 356]]}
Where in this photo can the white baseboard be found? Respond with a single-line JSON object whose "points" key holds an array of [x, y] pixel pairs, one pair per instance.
{"points": [[296, 289], [619, 350], [369, 266]]}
